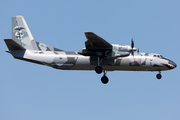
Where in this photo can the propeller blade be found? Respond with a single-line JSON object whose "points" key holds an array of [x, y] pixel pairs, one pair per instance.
{"points": [[132, 46], [132, 43]]}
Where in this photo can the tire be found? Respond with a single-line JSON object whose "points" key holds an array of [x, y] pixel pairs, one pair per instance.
{"points": [[104, 80], [158, 76], [98, 69]]}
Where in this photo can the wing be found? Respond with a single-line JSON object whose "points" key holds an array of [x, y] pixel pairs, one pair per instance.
{"points": [[95, 42]]}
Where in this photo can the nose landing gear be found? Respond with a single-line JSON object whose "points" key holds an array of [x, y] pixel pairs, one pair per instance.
{"points": [[159, 76]]}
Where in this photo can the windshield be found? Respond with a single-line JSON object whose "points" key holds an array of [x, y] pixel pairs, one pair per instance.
{"points": [[159, 56]]}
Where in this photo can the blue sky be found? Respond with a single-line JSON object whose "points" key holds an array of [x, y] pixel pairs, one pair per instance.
{"points": [[32, 92]]}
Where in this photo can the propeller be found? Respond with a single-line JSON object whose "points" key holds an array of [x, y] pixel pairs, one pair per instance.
{"points": [[132, 47], [132, 43]]}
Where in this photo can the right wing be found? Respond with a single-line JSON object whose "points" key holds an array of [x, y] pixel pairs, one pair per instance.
{"points": [[95, 42]]}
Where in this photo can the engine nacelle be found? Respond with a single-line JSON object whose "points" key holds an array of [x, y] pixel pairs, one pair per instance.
{"points": [[119, 54], [109, 54], [86, 52]]}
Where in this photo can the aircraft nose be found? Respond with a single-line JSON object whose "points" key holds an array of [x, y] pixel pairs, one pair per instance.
{"points": [[172, 63]]}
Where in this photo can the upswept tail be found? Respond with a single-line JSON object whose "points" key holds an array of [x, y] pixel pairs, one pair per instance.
{"points": [[22, 36], [21, 33]]}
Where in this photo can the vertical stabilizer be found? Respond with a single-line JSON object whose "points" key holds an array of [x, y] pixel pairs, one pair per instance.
{"points": [[21, 33], [22, 36]]}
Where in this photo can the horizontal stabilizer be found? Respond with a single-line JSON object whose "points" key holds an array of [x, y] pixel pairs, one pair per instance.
{"points": [[12, 45]]}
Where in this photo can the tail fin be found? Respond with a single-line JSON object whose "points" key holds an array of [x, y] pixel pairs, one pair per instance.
{"points": [[22, 35]]}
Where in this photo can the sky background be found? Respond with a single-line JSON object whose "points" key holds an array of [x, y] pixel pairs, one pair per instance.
{"points": [[34, 92]]}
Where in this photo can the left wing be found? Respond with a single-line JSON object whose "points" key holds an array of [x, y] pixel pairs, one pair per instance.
{"points": [[95, 42]]}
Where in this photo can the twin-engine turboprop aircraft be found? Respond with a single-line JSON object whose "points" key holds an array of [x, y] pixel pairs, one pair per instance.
{"points": [[99, 55]]}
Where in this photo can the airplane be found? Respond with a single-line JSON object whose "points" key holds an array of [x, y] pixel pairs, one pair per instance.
{"points": [[98, 55]]}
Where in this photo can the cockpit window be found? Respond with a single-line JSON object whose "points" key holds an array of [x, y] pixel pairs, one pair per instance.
{"points": [[159, 56]]}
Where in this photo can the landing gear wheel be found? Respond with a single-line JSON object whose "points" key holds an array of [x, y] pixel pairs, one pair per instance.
{"points": [[104, 80], [98, 69], [159, 76]]}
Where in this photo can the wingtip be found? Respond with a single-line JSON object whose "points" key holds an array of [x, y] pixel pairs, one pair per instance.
{"points": [[88, 32]]}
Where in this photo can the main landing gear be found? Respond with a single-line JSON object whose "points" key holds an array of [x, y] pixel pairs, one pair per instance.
{"points": [[99, 70], [159, 76], [104, 78]]}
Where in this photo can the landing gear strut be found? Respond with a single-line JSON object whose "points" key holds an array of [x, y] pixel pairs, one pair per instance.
{"points": [[98, 68], [104, 79], [159, 76]]}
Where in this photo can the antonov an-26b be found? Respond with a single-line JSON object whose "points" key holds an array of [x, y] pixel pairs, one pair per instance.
{"points": [[99, 55]]}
